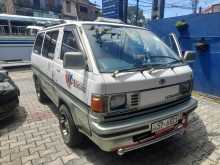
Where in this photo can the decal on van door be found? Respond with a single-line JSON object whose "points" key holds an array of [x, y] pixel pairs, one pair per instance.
{"points": [[72, 82]]}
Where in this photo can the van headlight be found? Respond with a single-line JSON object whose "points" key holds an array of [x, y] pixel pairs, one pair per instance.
{"points": [[186, 87], [118, 101]]}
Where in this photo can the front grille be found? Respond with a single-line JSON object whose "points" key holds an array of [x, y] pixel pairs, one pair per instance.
{"points": [[135, 112], [134, 100]]}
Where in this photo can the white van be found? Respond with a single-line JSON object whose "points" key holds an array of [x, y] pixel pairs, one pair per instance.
{"points": [[118, 84]]}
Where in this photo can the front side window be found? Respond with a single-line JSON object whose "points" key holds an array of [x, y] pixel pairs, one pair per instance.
{"points": [[50, 41], [120, 47], [38, 43], [69, 43]]}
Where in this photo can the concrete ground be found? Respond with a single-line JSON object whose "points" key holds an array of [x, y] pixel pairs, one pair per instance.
{"points": [[32, 136]]}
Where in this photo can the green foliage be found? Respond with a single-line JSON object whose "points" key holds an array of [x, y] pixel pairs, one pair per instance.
{"points": [[132, 16], [181, 25]]}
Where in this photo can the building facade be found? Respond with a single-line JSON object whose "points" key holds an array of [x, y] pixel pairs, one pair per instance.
{"points": [[212, 9], [67, 9], [80, 9], [37, 8], [87, 10], [115, 9]]}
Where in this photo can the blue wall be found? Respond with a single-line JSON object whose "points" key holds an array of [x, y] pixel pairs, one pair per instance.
{"points": [[207, 65]]}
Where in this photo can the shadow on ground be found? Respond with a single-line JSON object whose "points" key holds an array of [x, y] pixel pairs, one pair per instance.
{"points": [[193, 147], [13, 122]]}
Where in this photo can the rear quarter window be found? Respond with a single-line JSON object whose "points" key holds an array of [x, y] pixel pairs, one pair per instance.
{"points": [[38, 43]]}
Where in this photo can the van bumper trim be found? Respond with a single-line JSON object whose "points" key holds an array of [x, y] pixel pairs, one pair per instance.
{"points": [[123, 149]]}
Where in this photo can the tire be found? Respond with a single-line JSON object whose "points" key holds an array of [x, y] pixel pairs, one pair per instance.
{"points": [[71, 136], [41, 96]]}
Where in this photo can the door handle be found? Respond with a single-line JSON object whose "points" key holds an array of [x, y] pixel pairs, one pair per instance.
{"points": [[58, 70]]}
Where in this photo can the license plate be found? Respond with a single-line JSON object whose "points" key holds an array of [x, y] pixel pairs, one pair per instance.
{"points": [[164, 124]]}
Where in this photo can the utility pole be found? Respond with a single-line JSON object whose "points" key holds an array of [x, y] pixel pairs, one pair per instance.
{"points": [[195, 5], [137, 11], [157, 9], [125, 10]]}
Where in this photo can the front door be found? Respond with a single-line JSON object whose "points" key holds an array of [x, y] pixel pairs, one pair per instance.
{"points": [[72, 81]]}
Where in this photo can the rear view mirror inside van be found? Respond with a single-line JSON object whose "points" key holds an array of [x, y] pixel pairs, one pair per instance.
{"points": [[73, 60], [189, 56]]}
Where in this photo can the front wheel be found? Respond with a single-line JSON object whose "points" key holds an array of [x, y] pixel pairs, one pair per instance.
{"points": [[71, 136]]}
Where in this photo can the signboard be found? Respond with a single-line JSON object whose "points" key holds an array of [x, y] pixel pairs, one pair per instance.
{"points": [[113, 8]]}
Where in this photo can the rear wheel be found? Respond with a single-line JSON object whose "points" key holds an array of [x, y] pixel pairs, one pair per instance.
{"points": [[71, 136], [42, 97]]}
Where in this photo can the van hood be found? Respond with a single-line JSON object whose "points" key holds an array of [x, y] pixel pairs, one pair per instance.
{"points": [[137, 81]]}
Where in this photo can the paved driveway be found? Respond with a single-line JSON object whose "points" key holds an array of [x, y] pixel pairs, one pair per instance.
{"points": [[33, 137]]}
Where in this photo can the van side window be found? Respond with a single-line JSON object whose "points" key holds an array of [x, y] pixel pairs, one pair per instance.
{"points": [[50, 41], [38, 43], [69, 43]]}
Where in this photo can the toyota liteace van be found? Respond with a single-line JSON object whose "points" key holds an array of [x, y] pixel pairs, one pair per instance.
{"points": [[117, 84]]}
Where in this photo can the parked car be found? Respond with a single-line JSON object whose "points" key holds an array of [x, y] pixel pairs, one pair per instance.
{"points": [[118, 84], [9, 95]]}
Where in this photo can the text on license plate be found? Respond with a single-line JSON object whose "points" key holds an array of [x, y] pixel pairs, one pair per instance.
{"points": [[164, 123]]}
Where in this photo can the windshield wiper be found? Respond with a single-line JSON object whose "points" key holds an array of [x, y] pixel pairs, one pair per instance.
{"points": [[150, 67], [123, 70], [173, 58], [169, 64]]}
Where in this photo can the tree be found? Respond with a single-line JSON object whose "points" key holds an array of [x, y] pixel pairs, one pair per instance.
{"points": [[132, 16]]}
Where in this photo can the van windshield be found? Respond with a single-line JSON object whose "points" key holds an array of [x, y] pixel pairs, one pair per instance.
{"points": [[125, 48]]}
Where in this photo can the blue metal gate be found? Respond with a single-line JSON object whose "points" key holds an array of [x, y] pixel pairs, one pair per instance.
{"points": [[200, 27]]}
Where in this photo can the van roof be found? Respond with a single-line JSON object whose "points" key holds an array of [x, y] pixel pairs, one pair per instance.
{"points": [[80, 23]]}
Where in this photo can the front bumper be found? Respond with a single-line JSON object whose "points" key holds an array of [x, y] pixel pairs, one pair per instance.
{"points": [[119, 135]]}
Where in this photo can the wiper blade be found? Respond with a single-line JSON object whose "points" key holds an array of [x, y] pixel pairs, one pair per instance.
{"points": [[173, 58], [123, 70], [170, 64]]}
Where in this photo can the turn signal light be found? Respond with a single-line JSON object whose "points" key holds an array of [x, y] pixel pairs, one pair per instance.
{"points": [[97, 104]]}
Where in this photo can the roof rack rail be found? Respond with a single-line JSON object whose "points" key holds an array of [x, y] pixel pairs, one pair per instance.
{"points": [[50, 23], [110, 20]]}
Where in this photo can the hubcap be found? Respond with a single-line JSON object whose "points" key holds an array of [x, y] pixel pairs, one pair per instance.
{"points": [[64, 124]]}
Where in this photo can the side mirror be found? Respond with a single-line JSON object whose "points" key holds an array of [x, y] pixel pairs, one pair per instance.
{"points": [[73, 60], [189, 56]]}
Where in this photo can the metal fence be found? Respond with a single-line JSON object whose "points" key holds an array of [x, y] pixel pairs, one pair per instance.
{"points": [[14, 30]]}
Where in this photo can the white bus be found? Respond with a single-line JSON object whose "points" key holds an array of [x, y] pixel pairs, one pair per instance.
{"points": [[17, 35]]}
